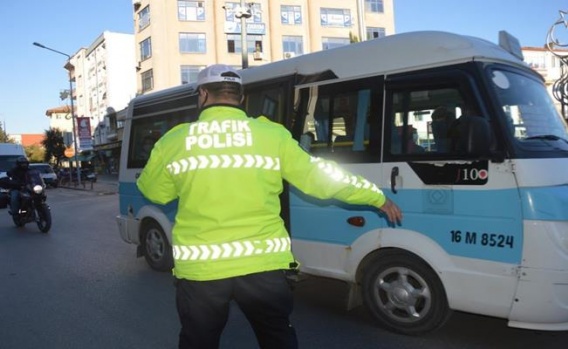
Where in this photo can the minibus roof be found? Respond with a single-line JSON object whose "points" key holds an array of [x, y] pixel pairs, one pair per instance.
{"points": [[387, 55], [390, 54]]}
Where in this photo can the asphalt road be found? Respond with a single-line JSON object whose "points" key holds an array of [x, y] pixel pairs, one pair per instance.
{"points": [[80, 286]]}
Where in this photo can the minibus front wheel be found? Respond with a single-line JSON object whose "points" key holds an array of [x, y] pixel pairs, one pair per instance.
{"points": [[404, 294], [155, 246]]}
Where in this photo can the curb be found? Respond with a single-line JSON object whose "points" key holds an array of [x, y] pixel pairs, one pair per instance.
{"points": [[93, 188]]}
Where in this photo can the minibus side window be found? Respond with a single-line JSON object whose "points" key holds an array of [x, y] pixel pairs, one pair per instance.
{"points": [[269, 101], [146, 131], [424, 122], [341, 122]]}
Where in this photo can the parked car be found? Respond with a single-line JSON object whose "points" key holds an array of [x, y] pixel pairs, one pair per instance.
{"points": [[49, 176]]}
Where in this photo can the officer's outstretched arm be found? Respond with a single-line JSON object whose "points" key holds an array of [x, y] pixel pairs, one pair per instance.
{"points": [[325, 179], [392, 211]]}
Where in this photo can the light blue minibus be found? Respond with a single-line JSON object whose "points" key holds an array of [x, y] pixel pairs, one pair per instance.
{"points": [[458, 131]]}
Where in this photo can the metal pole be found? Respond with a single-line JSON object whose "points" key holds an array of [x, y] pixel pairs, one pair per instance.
{"points": [[361, 20], [244, 43], [73, 119]]}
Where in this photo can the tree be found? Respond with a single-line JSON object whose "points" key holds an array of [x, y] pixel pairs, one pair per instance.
{"points": [[4, 137], [35, 153], [54, 146]]}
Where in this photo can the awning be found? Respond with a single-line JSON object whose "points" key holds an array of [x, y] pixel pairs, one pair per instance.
{"points": [[81, 158], [107, 146]]}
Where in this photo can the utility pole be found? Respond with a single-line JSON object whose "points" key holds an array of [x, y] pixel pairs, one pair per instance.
{"points": [[73, 119]]}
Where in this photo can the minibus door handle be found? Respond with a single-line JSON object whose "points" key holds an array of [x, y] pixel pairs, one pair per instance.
{"points": [[394, 174]]}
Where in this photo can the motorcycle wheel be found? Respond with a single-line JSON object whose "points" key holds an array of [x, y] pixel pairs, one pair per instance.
{"points": [[17, 220], [43, 218]]}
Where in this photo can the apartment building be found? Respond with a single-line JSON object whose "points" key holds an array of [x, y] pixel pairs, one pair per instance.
{"points": [[104, 76], [60, 118], [175, 39], [105, 80]]}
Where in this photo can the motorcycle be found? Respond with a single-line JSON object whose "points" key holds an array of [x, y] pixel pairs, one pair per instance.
{"points": [[33, 205]]}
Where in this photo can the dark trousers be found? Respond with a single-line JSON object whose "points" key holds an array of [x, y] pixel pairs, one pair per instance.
{"points": [[264, 298], [14, 201]]}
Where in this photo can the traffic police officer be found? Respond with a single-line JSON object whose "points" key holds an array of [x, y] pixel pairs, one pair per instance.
{"points": [[229, 241]]}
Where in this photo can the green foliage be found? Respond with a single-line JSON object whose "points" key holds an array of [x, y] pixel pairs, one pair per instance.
{"points": [[4, 138], [54, 146], [35, 153]]}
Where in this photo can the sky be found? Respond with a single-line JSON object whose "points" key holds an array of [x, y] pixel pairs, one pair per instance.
{"points": [[31, 77]]}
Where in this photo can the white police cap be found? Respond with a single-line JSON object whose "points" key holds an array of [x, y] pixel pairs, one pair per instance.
{"points": [[218, 73]]}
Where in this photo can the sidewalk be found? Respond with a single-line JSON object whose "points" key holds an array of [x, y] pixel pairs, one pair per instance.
{"points": [[105, 184]]}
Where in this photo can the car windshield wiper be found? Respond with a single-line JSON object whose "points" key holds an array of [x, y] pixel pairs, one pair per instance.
{"points": [[547, 138]]}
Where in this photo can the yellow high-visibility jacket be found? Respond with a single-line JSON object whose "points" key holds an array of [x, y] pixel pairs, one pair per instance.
{"points": [[226, 169]]}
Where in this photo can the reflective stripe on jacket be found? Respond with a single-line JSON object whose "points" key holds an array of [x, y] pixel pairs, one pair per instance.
{"points": [[226, 169]]}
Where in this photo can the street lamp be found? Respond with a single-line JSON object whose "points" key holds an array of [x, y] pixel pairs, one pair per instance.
{"points": [[77, 166], [243, 12]]}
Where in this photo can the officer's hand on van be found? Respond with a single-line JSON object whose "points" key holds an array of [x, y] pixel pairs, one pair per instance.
{"points": [[394, 215]]}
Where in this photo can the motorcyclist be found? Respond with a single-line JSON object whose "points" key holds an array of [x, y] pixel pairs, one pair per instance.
{"points": [[17, 175]]}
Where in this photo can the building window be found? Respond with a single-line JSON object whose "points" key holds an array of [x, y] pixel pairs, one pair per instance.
{"points": [[374, 33], [329, 43], [192, 43], [231, 7], [292, 45], [335, 17], [146, 49], [144, 18], [147, 80], [254, 43], [232, 41], [191, 11], [291, 14], [189, 73], [374, 6]]}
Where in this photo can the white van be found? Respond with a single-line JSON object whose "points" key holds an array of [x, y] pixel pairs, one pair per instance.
{"points": [[458, 131], [9, 152]]}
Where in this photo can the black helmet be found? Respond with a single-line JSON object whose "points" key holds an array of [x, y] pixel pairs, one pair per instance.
{"points": [[23, 162]]}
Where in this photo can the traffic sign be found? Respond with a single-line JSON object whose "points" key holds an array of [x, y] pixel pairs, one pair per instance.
{"points": [[69, 152]]}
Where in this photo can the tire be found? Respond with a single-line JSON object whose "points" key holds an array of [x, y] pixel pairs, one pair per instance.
{"points": [[17, 221], [43, 218], [156, 247], [404, 294]]}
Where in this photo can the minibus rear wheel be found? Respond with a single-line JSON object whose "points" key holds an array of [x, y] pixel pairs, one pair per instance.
{"points": [[404, 294], [156, 248]]}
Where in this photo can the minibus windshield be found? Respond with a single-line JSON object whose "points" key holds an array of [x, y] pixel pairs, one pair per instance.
{"points": [[532, 119]]}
